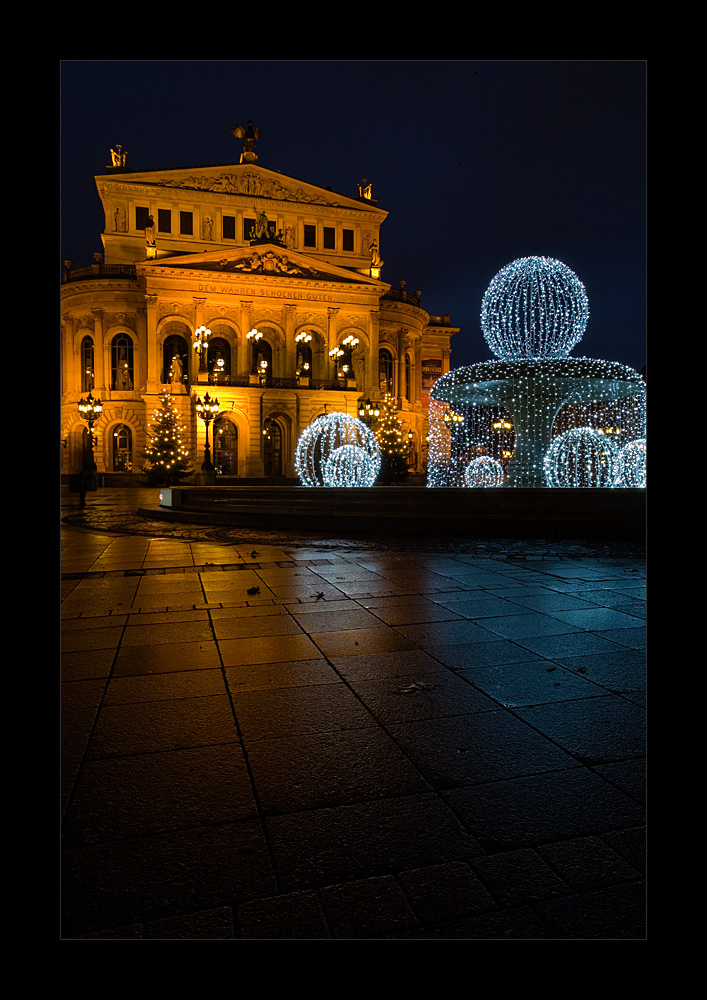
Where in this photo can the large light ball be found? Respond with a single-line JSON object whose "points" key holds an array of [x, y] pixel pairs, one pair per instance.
{"points": [[329, 434], [581, 457], [483, 472], [631, 464], [534, 309]]}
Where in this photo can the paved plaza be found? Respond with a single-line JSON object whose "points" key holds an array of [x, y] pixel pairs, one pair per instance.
{"points": [[276, 736]]}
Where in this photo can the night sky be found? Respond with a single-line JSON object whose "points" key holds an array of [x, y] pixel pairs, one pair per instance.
{"points": [[477, 163]]}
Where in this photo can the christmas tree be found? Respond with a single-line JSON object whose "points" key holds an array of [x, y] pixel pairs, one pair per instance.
{"points": [[393, 443], [166, 455]]}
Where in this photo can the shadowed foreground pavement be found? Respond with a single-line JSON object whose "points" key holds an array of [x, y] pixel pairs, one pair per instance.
{"points": [[292, 737]]}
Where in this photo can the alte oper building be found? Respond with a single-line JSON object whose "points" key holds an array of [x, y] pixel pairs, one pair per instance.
{"points": [[278, 284]]}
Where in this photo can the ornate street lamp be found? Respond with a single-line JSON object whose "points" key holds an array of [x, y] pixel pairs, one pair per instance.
{"points": [[90, 410], [201, 338], [368, 411], [207, 411]]}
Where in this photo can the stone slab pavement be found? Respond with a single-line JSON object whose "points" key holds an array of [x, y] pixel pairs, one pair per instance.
{"points": [[271, 736]]}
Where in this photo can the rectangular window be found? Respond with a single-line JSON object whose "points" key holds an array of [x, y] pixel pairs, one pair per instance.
{"points": [[329, 238], [186, 223], [229, 227], [141, 216], [310, 236], [164, 220], [347, 239], [248, 229]]}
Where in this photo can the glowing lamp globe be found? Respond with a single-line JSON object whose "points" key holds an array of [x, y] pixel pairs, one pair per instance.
{"points": [[631, 464], [337, 450], [483, 472], [581, 457], [535, 309]]}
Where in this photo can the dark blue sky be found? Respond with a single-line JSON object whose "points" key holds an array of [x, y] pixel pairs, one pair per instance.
{"points": [[478, 163]]}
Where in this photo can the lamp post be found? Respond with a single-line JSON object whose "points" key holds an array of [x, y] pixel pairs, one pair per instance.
{"points": [[368, 412], [90, 410], [201, 343], [207, 410]]}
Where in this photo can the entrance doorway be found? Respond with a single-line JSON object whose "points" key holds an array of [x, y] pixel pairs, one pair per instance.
{"points": [[272, 448]]}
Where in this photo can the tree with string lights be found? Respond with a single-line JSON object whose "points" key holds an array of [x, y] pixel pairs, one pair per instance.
{"points": [[393, 443], [166, 455]]}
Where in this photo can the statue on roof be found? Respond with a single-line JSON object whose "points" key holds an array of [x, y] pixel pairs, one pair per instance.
{"points": [[249, 135], [118, 156]]}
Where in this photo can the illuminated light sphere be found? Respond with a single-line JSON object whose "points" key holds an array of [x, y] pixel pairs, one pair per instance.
{"points": [[581, 457], [631, 464], [331, 433], [350, 465], [535, 309], [483, 472]]}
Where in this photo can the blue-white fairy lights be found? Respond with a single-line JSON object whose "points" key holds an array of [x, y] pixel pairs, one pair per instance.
{"points": [[582, 456], [631, 464], [534, 309], [513, 409], [337, 450], [483, 471]]}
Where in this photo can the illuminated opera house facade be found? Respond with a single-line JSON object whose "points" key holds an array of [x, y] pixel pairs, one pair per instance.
{"points": [[259, 289]]}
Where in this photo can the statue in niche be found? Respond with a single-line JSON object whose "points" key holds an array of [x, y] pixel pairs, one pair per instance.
{"points": [[290, 238], [119, 219], [207, 228], [374, 255], [177, 370], [150, 232]]}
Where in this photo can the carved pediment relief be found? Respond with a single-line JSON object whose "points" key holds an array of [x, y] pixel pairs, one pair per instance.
{"points": [[248, 182], [269, 262]]}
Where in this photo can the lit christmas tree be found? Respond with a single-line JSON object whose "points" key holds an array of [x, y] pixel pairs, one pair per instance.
{"points": [[393, 443], [166, 455]]}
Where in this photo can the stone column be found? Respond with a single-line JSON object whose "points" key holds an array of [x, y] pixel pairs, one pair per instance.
{"points": [[374, 338], [199, 377], [290, 359], [100, 381], [332, 313], [153, 384]]}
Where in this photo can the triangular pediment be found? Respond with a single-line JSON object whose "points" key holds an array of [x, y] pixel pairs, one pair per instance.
{"points": [[268, 260], [248, 179]]}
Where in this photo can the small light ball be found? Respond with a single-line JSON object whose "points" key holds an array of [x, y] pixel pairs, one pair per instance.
{"points": [[483, 472], [581, 457]]}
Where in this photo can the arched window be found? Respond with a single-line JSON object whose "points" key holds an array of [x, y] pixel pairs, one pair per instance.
{"points": [[87, 370], [175, 345], [219, 358], [122, 449], [225, 447], [121, 354], [262, 360], [385, 369], [304, 360], [408, 378]]}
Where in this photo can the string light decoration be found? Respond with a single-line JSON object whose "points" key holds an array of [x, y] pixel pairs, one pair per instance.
{"points": [[536, 309], [631, 464], [166, 454], [583, 457], [483, 472], [349, 465], [392, 438], [326, 435]]}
